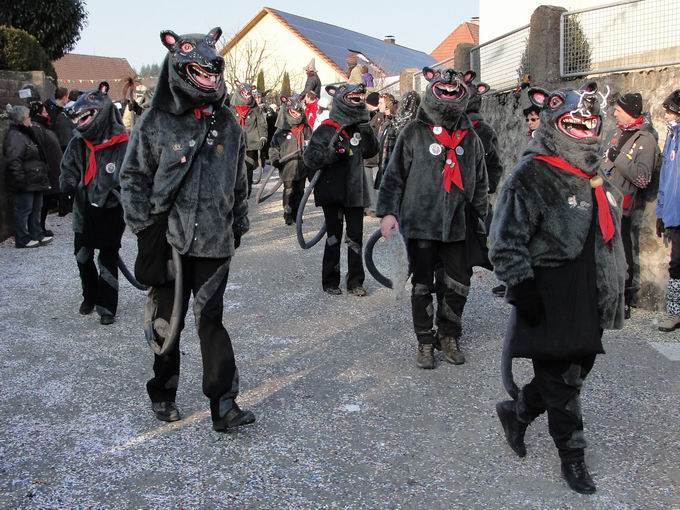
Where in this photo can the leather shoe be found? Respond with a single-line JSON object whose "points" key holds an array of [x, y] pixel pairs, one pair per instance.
{"points": [[577, 476], [86, 308], [234, 419], [166, 411], [513, 428], [106, 320]]}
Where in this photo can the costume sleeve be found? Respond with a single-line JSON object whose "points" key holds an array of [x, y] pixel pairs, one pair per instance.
{"points": [[511, 231], [71, 166], [262, 127], [318, 153], [637, 166], [394, 180], [136, 180], [275, 146], [480, 199], [662, 184], [241, 223], [369, 142]]}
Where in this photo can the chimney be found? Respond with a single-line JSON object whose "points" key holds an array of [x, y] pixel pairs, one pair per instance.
{"points": [[389, 39]]}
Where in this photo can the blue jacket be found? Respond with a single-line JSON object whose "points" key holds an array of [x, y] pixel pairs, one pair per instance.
{"points": [[668, 197]]}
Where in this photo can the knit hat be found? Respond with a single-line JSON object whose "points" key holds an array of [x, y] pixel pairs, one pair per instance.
{"points": [[672, 102], [631, 103], [373, 99], [16, 114]]}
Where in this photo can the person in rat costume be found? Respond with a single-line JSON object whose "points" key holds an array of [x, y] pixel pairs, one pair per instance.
{"points": [[437, 170], [337, 148], [557, 246], [288, 145], [184, 180], [90, 171], [254, 123]]}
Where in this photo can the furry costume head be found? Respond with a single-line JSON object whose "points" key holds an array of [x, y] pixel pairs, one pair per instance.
{"points": [[293, 112], [571, 124], [191, 75], [349, 103], [446, 97], [477, 90], [244, 94], [95, 115]]}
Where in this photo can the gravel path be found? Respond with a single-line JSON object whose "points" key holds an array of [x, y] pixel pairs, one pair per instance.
{"points": [[345, 419]]}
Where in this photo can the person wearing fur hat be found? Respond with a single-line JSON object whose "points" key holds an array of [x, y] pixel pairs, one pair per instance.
{"points": [[557, 246], [436, 178], [338, 148], [630, 162], [26, 177], [668, 208]]}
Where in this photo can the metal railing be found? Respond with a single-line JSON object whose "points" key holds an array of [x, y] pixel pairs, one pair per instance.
{"points": [[621, 36], [502, 62]]}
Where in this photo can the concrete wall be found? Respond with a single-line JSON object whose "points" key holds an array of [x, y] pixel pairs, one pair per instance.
{"points": [[10, 83], [504, 112]]}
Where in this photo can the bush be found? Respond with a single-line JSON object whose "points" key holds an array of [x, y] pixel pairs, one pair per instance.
{"points": [[20, 51]]}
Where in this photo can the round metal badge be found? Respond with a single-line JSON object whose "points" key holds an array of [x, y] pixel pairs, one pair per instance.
{"points": [[110, 168], [460, 151], [437, 130], [354, 141], [288, 137], [435, 149], [611, 198]]}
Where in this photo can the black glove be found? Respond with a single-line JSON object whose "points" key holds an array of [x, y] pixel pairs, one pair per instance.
{"points": [[276, 163], [237, 238], [526, 299], [613, 153], [660, 227], [68, 189]]}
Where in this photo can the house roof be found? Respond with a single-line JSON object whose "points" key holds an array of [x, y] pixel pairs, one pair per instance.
{"points": [[333, 43], [84, 72], [466, 32]]}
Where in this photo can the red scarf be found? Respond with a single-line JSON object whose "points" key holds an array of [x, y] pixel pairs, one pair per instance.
{"points": [[242, 111], [311, 111], [200, 111], [92, 160], [604, 215], [299, 135], [633, 123], [336, 125], [451, 171]]}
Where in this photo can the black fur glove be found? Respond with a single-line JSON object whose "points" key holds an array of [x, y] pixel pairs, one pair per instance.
{"points": [[660, 227], [526, 299]]}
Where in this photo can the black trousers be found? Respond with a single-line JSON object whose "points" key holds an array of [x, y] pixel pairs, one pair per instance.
{"points": [[330, 269], [442, 267], [99, 288], [206, 279], [674, 266], [556, 388], [630, 235], [251, 164], [292, 195]]}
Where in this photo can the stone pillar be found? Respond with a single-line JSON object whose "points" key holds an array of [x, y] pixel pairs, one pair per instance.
{"points": [[544, 45], [461, 57], [406, 79]]}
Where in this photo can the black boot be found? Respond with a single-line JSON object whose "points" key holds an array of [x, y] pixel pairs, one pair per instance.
{"points": [[513, 428], [165, 411], [575, 472], [234, 419], [86, 308]]}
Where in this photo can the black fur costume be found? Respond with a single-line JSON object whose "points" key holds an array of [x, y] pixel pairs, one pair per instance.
{"points": [[288, 145], [338, 147], [97, 213], [254, 123], [185, 165], [564, 278], [432, 219]]}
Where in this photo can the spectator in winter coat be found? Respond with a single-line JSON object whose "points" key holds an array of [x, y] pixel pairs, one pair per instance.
{"points": [[61, 124], [366, 76], [668, 208], [629, 163], [26, 176]]}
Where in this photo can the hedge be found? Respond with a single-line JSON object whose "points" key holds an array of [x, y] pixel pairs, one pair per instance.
{"points": [[20, 51]]}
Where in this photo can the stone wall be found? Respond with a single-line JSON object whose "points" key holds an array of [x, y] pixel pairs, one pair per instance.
{"points": [[10, 83], [504, 112]]}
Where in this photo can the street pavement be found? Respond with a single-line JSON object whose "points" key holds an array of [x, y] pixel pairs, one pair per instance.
{"points": [[344, 418]]}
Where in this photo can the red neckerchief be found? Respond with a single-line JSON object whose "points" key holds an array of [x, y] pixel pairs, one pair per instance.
{"points": [[475, 122], [311, 111], [200, 111], [633, 123], [297, 132], [604, 215], [336, 125], [451, 171], [92, 160], [242, 111]]}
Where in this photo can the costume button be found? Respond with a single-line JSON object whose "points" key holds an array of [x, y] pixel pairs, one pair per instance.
{"points": [[195, 224]]}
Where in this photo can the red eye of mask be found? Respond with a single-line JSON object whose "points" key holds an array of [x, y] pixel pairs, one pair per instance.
{"points": [[556, 101], [186, 47]]}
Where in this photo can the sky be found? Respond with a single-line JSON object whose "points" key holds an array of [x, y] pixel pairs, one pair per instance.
{"points": [[130, 29]]}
